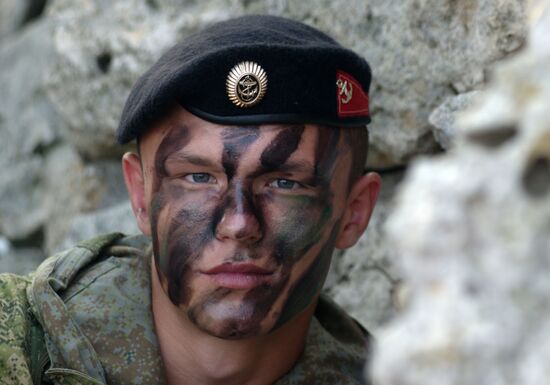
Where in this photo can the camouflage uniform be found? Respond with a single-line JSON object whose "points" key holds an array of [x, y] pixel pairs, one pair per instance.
{"points": [[84, 317]]}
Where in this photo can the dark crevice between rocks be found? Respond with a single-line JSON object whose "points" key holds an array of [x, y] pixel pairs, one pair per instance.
{"points": [[152, 4], [35, 239], [493, 137], [536, 177], [103, 61], [43, 149], [34, 11]]}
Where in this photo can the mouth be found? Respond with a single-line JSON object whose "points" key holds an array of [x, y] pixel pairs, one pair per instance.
{"points": [[241, 276]]}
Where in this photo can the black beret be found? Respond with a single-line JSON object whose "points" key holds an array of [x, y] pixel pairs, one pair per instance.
{"points": [[253, 70]]}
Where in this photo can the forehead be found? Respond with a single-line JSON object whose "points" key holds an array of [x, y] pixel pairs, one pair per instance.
{"points": [[186, 131]]}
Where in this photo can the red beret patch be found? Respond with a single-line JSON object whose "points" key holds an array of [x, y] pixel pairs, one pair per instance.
{"points": [[350, 97]]}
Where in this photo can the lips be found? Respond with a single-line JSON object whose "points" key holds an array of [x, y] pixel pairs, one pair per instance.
{"points": [[239, 276]]}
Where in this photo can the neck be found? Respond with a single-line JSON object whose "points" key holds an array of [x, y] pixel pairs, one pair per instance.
{"points": [[191, 356]]}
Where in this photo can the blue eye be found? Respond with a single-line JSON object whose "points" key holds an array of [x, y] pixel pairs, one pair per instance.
{"points": [[284, 184], [199, 177]]}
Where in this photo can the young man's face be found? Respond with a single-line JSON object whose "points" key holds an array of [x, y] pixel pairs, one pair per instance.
{"points": [[243, 219]]}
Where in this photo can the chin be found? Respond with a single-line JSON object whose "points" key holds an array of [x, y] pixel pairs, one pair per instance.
{"points": [[229, 320]]}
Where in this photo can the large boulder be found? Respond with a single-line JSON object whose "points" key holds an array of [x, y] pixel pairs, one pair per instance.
{"points": [[472, 232]]}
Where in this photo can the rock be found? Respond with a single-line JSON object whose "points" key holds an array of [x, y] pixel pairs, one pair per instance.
{"points": [[29, 128], [15, 13], [421, 52], [86, 188], [46, 193], [5, 246], [20, 260], [443, 118], [472, 234], [22, 208], [118, 218], [29, 123], [363, 279], [102, 48]]}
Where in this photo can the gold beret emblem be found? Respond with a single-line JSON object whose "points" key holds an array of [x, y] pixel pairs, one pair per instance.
{"points": [[246, 84]]}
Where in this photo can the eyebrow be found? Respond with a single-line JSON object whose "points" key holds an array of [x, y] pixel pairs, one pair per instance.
{"points": [[182, 156], [295, 166]]}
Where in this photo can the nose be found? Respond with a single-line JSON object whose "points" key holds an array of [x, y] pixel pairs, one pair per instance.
{"points": [[239, 221]]}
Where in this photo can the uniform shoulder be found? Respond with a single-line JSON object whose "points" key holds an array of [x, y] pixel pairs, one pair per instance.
{"points": [[15, 324], [12, 285]]}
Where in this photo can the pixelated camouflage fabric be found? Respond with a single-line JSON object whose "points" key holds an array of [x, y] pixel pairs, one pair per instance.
{"points": [[94, 309]]}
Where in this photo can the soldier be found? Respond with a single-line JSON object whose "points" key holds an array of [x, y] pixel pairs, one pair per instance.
{"points": [[249, 172]]}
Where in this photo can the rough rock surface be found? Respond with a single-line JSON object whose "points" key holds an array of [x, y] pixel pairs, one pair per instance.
{"points": [[443, 118], [20, 260], [28, 121], [84, 189], [421, 52], [15, 13], [116, 218], [102, 48], [475, 250]]}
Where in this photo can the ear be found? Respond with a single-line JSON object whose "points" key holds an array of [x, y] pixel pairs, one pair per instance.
{"points": [[359, 207], [135, 183]]}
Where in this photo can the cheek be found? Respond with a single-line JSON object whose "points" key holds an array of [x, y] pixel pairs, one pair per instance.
{"points": [[182, 222], [294, 223]]}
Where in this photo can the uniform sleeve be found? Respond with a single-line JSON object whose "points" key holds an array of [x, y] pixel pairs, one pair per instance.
{"points": [[14, 327]]}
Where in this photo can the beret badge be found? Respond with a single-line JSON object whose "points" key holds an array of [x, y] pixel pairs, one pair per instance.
{"points": [[246, 84]]}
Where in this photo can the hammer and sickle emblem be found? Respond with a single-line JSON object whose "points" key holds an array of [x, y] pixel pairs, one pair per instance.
{"points": [[346, 90]]}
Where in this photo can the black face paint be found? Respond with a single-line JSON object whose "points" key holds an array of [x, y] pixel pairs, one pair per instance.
{"points": [[285, 229], [280, 149], [235, 142]]}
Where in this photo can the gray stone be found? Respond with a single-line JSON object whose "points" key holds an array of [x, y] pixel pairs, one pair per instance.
{"points": [[118, 218], [421, 52], [16, 13], [22, 208], [29, 123], [443, 118], [85, 188], [44, 194], [102, 48], [472, 235], [363, 278], [5, 246], [20, 260]]}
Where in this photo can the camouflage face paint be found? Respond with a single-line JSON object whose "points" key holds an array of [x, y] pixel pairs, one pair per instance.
{"points": [[292, 232]]}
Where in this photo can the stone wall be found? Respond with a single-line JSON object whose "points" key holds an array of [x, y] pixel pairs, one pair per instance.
{"points": [[474, 251], [68, 65]]}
